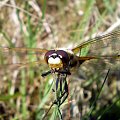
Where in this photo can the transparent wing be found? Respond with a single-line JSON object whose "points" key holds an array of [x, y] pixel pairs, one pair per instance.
{"points": [[106, 45], [100, 53], [103, 62], [21, 57]]}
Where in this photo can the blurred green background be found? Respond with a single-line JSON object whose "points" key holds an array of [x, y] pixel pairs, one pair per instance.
{"points": [[24, 94]]}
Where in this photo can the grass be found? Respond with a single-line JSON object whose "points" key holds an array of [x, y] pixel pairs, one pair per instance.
{"points": [[24, 93]]}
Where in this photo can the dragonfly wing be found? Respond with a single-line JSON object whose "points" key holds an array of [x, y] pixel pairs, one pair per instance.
{"points": [[95, 68], [26, 50], [108, 44], [101, 53], [103, 62], [21, 57]]}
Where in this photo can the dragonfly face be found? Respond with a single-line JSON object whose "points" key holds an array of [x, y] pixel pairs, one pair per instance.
{"points": [[57, 59]]}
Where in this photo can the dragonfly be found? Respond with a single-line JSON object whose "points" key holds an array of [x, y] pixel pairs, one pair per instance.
{"points": [[61, 62]]}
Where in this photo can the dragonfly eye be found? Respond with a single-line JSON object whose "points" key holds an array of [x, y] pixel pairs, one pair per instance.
{"points": [[49, 54], [63, 55]]}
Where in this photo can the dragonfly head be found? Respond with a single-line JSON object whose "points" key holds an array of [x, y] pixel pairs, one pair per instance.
{"points": [[57, 59]]}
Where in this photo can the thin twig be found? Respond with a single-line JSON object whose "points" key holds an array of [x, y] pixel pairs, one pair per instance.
{"points": [[92, 106], [47, 111]]}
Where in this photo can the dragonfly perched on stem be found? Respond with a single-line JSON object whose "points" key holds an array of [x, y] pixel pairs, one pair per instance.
{"points": [[61, 62]]}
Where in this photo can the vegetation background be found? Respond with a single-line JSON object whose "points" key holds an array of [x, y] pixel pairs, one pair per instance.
{"points": [[24, 94]]}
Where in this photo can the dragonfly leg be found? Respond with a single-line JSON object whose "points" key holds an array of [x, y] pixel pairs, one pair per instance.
{"points": [[61, 118], [46, 73], [64, 94], [58, 107], [63, 97], [66, 72], [58, 83]]}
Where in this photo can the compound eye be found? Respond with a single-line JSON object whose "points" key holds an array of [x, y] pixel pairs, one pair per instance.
{"points": [[62, 54], [49, 53]]}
